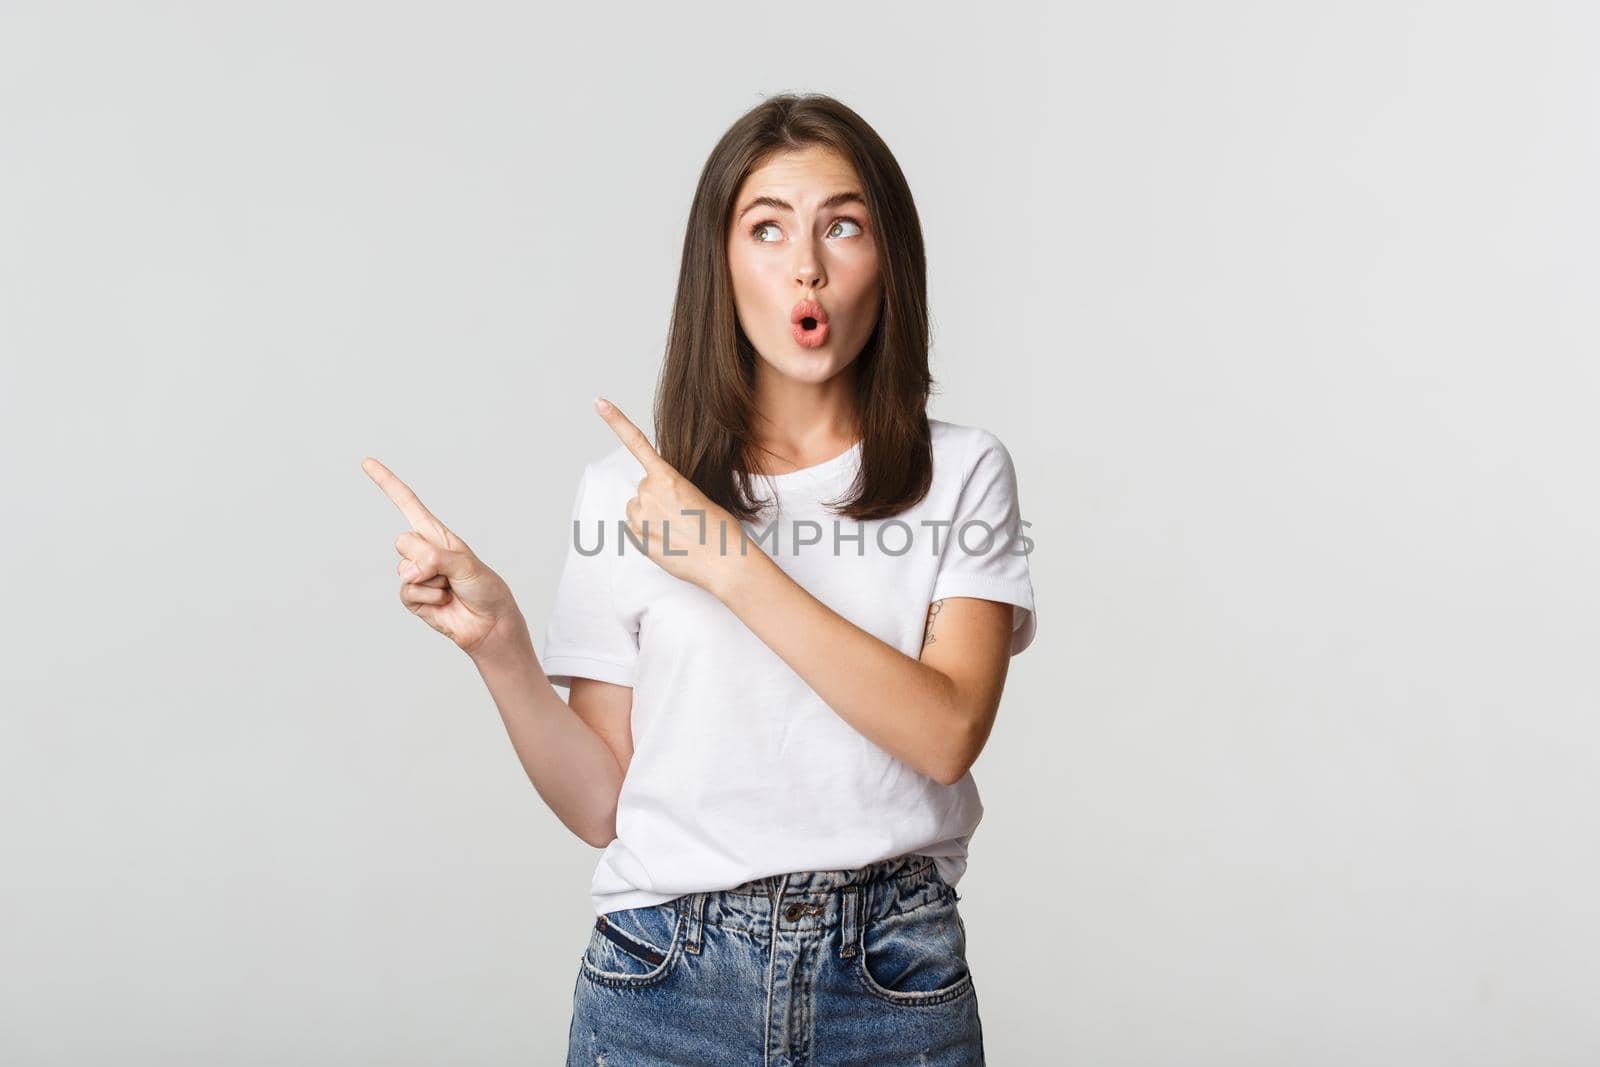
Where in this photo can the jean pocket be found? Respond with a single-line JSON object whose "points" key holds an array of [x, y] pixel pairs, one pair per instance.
{"points": [[634, 946], [917, 957]]}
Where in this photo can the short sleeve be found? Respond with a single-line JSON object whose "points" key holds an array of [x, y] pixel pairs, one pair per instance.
{"points": [[585, 637], [973, 563]]}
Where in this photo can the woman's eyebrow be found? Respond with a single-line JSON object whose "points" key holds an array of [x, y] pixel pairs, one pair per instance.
{"points": [[783, 205]]}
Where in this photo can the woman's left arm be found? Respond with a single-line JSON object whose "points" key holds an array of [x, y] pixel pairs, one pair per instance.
{"points": [[934, 713]]}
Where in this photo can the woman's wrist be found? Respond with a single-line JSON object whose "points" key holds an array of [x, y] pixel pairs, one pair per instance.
{"points": [[509, 641], [735, 571]]}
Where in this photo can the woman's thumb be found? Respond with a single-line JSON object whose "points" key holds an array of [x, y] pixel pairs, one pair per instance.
{"points": [[455, 564], [458, 564]]}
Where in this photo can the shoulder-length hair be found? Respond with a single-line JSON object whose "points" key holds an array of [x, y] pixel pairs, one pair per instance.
{"points": [[705, 394]]}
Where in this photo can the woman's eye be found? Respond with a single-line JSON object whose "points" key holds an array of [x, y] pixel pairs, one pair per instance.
{"points": [[759, 228]]}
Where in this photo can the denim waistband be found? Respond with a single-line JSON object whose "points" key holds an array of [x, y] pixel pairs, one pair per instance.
{"points": [[900, 868], [819, 900]]}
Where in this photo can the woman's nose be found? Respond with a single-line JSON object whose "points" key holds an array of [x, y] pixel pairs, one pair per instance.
{"points": [[808, 274], [808, 265]]}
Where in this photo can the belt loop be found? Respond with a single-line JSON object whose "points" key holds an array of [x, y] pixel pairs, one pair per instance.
{"points": [[697, 906], [849, 919]]}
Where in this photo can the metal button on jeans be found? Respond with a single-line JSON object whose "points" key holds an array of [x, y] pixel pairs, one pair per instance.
{"points": [[794, 912]]}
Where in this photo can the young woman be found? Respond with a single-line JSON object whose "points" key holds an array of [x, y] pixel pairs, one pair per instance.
{"points": [[785, 630]]}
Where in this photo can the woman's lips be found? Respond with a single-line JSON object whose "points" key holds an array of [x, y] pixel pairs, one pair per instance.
{"points": [[808, 321], [812, 338]]}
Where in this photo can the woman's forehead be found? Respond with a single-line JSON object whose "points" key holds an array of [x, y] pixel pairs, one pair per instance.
{"points": [[800, 167]]}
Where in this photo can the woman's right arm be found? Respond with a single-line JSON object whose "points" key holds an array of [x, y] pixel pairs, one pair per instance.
{"points": [[567, 751], [574, 753]]}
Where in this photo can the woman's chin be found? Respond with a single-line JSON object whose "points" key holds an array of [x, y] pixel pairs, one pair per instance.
{"points": [[809, 365]]}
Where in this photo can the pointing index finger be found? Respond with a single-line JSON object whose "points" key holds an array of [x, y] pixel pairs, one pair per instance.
{"points": [[631, 436], [421, 519]]}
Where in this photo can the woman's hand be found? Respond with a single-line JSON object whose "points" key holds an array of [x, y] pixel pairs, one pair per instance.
{"points": [[701, 538], [444, 583]]}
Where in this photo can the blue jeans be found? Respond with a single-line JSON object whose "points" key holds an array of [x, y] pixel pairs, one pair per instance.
{"points": [[851, 967]]}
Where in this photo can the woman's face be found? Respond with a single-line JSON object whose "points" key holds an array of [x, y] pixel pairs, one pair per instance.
{"points": [[801, 232]]}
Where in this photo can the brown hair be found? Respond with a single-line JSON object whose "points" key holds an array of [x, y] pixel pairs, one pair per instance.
{"points": [[705, 394]]}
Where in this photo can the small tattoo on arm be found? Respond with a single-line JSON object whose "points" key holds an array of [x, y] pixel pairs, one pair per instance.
{"points": [[927, 633]]}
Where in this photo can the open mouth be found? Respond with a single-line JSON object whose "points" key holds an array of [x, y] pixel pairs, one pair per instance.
{"points": [[809, 322]]}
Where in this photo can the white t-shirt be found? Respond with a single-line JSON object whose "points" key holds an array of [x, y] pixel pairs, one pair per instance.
{"points": [[739, 769]]}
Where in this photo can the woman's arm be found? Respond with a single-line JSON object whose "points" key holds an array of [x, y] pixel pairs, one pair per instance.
{"points": [[572, 767], [570, 761], [935, 713]]}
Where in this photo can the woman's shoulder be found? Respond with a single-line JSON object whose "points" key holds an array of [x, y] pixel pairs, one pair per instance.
{"points": [[605, 483], [964, 445], [614, 470]]}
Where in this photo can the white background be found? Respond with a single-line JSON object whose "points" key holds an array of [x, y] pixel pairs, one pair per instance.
{"points": [[1286, 313]]}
